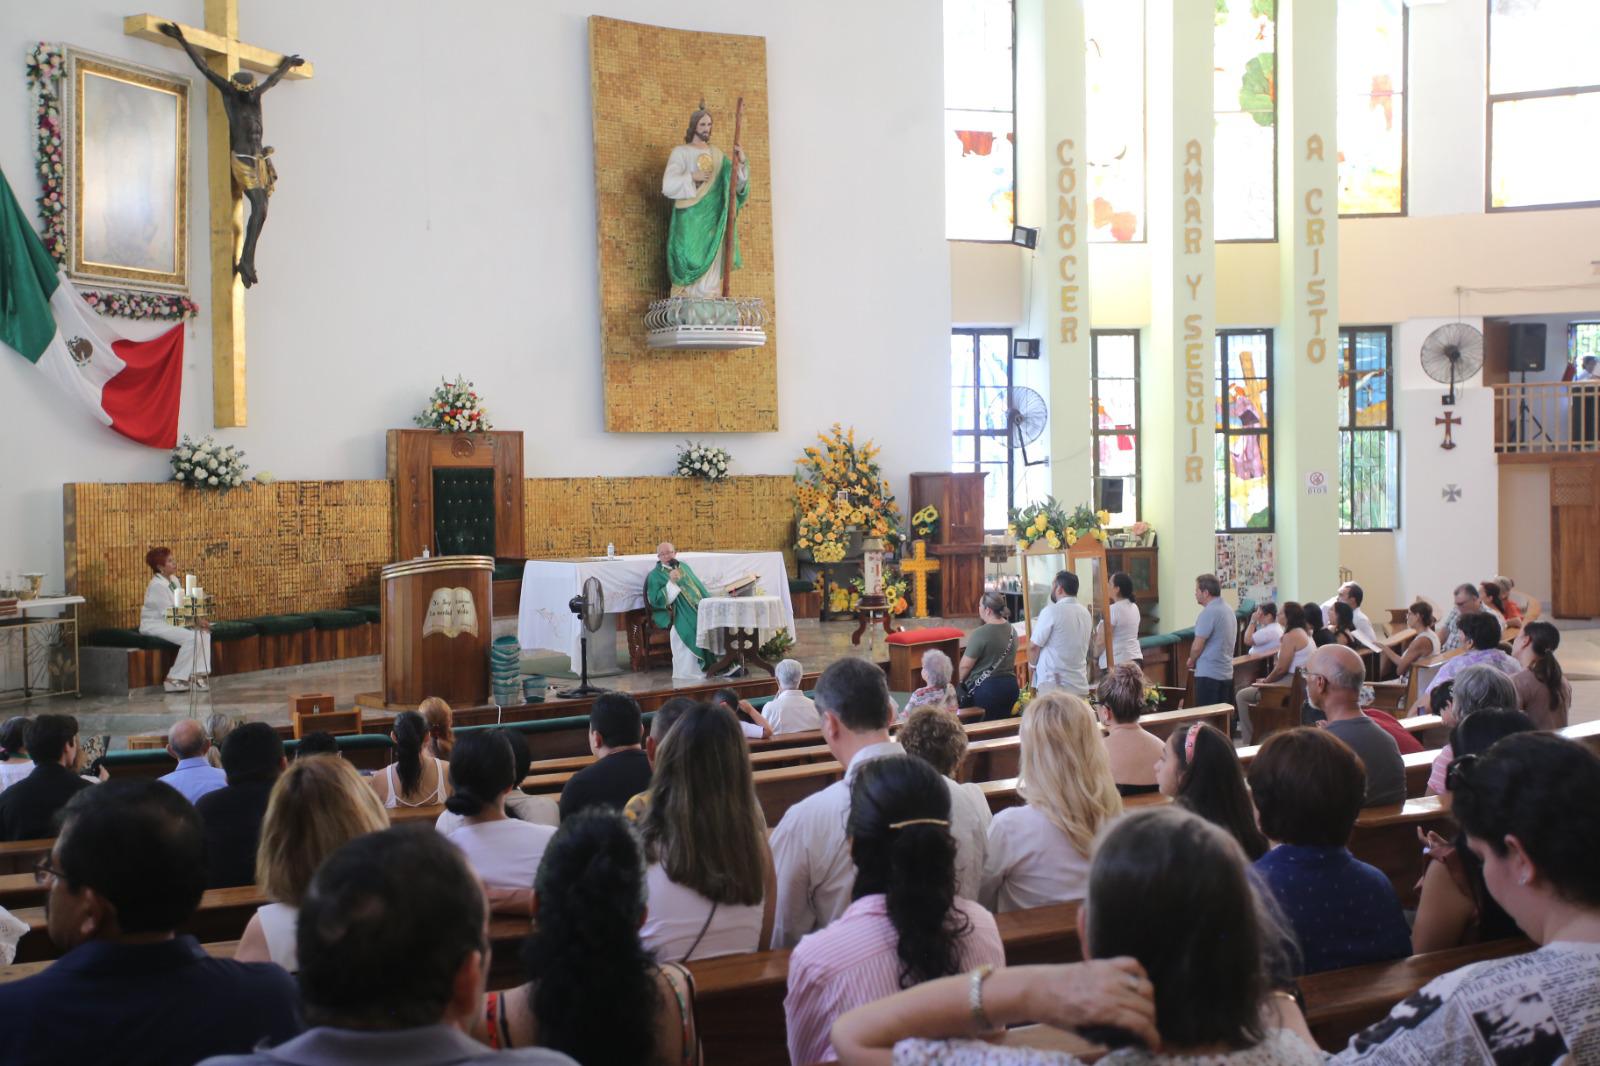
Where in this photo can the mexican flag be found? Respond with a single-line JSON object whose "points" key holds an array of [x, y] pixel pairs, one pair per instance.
{"points": [[131, 386]]}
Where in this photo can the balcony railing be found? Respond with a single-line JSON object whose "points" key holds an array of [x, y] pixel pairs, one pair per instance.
{"points": [[1547, 418]]}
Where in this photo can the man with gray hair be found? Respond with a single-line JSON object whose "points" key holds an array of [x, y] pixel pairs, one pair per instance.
{"points": [[1334, 676], [790, 711], [1479, 687], [195, 776]]}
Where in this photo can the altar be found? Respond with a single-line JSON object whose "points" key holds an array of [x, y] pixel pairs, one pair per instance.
{"points": [[545, 622]]}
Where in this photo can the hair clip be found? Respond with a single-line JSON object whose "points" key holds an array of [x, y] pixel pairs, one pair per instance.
{"points": [[1188, 744], [920, 821]]}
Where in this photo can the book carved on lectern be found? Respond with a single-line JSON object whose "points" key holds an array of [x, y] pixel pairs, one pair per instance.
{"points": [[451, 612]]}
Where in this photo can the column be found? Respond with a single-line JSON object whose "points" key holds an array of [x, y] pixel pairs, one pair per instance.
{"points": [[1307, 354], [1178, 373], [1050, 63]]}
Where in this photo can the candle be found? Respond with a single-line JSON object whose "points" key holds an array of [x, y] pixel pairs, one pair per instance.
{"points": [[188, 582]]}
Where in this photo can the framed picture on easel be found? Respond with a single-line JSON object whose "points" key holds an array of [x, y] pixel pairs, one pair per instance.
{"points": [[127, 173]]}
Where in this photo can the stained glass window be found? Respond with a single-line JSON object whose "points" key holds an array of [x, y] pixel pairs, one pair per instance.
{"points": [[1114, 30], [980, 120], [1369, 449], [1114, 389], [980, 397], [1245, 99], [1544, 103], [1244, 430], [1371, 82]]}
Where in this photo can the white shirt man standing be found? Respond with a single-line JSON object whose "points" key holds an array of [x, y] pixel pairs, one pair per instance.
{"points": [[1059, 647], [815, 870]]}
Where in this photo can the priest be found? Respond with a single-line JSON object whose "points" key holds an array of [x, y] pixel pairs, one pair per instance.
{"points": [[674, 593]]}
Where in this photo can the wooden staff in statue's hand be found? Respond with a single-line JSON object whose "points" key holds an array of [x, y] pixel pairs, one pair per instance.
{"points": [[253, 171]]}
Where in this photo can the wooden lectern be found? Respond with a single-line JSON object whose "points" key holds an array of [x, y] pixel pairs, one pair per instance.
{"points": [[436, 630]]}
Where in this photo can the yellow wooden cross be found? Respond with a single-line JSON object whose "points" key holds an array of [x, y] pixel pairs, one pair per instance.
{"points": [[226, 55], [919, 566]]}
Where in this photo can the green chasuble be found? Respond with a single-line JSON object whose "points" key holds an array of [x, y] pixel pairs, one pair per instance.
{"points": [[682, 614], [695, 236]]}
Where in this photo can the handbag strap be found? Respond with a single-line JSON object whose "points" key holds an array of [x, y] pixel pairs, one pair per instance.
{"points": [[687, 955], [1009, 654]]}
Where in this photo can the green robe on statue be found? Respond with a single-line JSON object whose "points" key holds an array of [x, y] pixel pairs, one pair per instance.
{"points": [[700, 221], [682, 614]]}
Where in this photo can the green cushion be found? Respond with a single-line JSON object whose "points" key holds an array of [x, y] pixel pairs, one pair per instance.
{"points": [[800, 585], [370, 611], [463, 510], [1184, 634], [233, 630], [352, 742], [338, 619], [125, 638], [277, 625], [1159, 640], [141, 757], [509, 569]]}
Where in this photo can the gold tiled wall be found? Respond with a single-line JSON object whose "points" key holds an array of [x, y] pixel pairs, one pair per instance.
{"points": [[269, 549], [646, 81], [578, 516]]}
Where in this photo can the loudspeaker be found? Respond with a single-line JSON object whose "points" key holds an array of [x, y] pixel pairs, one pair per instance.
{"points": [[1111, 494], [1527, 347]]}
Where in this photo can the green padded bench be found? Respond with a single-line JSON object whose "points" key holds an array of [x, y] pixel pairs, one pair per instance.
{"points": [[340, 634], [285, 639], [126, 638], [372, 612]]}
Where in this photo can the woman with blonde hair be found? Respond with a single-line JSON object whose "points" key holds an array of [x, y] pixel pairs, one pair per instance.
{"points": [[437, 715], [317, 806], [1039, 853]]}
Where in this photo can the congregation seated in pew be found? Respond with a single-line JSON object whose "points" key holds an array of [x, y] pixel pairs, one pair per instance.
{"points": [[620, 770], [905, 923], [1478, 688], [28, 808], [1038, 853], [317, 742], [937, 738], [936, 691], [194, 775], [416, 778], [791, 710], [1131, 751], [1454, 906], [504, 852], [439, 718], [14, 761], [539, 810], [1309, 787], [1294, 647], [808, 845], [1334, 678], [1423, 645], [709, 878], [231, 816], [127, 870], [594, 990], [1352, 596], [316, 806], [1543, 692], [1200, 771], [752, 722], [1482, 635]]}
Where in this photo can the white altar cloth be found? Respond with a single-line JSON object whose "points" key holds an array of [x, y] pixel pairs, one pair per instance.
{"points": [[543, 620], [718, 614]]}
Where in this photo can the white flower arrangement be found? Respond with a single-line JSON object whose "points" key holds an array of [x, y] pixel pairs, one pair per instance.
{"points": [[205, 464], [703, 461], [454, 407]]}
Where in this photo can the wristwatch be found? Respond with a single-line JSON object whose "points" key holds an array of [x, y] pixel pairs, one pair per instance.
{"points": [[975, 997]]}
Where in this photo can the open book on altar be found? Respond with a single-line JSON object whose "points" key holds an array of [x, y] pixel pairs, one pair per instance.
{"points": [[742, 586]]}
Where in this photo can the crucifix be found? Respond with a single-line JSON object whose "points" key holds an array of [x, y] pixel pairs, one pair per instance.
{"points": [[1448, 420], [920, 567], [225, 56]]}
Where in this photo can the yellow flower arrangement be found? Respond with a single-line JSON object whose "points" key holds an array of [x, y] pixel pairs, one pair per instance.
{"points": [[840, 489], [1049, 522]]}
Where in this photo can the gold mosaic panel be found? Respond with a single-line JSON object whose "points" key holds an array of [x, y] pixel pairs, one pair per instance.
{"points": [[282, 548], [566, 517], [645, 82]]}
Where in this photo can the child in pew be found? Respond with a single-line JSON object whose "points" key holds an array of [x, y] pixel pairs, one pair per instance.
{"points": [[1200, 770], [1184, 947], [905, 925], [1454, 907], [318, 804], [1529, 809], [594, 991]]}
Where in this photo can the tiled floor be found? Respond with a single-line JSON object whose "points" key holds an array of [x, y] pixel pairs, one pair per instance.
{"points": [[264, 695]]}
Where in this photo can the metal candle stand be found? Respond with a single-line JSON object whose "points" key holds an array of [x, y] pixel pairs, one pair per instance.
{"points": [[188, 613]]}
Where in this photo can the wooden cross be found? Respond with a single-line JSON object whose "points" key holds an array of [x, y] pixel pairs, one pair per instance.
{"points": [[226, 55], [1447, 421], [919, 566]]}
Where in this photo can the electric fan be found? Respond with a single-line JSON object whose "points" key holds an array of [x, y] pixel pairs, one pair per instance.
{"points": [[590, 607], [1452, 353], [1024, 414]]}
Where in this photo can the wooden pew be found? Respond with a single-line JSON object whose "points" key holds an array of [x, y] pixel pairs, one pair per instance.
{"points": [[222, 915], [1340, 1003]]}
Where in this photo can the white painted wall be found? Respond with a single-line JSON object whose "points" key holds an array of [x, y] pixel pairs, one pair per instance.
{"points": [[435, 215], [1446, 82]]}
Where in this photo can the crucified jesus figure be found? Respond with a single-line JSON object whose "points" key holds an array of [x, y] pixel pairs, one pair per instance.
{"points": [[253, 171]]}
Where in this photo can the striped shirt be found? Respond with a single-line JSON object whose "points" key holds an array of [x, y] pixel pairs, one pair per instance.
{"points": [[853, 961]]}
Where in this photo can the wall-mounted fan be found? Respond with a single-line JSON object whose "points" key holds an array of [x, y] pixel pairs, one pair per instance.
{"points": [[590, 607], [1452, 353], [1024, 414]]}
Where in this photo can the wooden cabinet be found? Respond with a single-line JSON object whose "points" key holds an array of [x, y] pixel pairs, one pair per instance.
{"points": [[1139, 564], [958, 543], [419, 458]]}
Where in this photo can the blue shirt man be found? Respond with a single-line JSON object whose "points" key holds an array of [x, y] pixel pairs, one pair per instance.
{"points": [[1216, 631], [1344, 911], [187, 742]]}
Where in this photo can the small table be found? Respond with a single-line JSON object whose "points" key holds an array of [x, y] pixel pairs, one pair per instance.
{"points": [[736, 627], [37, 653]]}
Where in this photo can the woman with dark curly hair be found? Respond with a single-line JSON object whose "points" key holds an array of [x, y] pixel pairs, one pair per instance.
{"points": [[905, 924], [594, 992]]}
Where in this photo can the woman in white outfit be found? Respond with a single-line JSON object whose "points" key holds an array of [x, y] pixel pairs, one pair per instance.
{"points": [[1124, 613], [318, 805], [194, 648], [415, 778]]}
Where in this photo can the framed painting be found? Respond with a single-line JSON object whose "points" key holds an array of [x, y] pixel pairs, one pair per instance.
{"points": [[127, 173]]}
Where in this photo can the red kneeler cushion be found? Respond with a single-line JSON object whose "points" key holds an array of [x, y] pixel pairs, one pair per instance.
{"points": [[924, 636]]}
